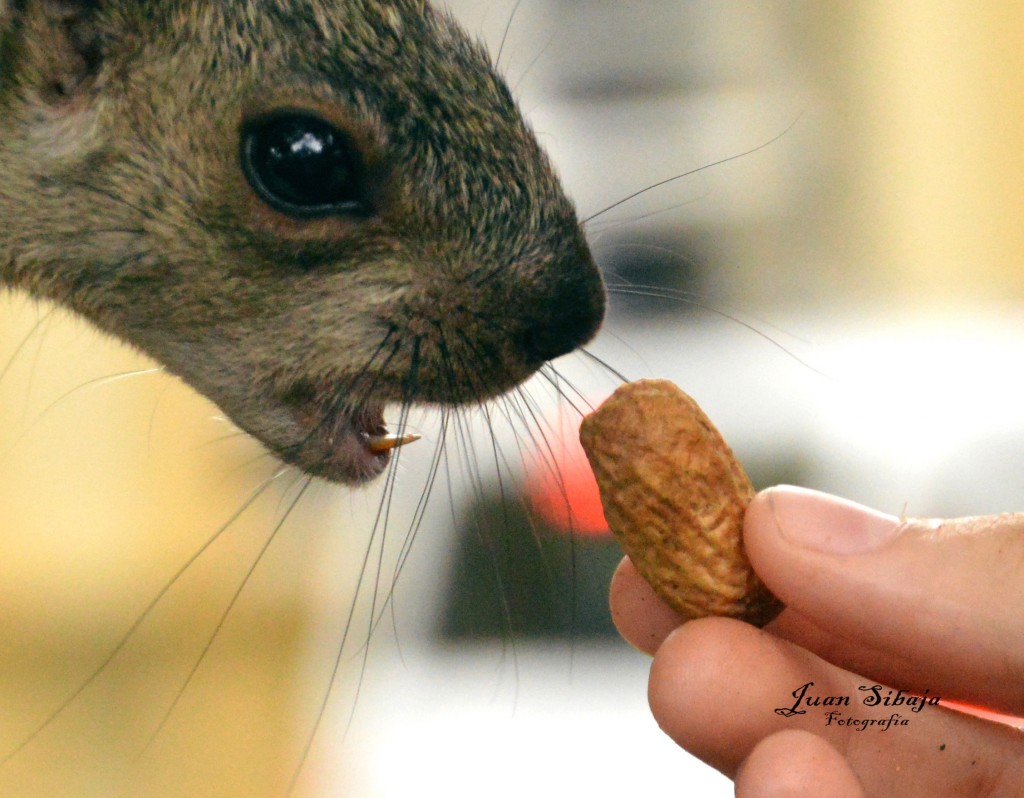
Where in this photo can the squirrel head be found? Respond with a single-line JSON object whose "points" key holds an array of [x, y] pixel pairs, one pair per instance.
{"points": [[307, 209]]}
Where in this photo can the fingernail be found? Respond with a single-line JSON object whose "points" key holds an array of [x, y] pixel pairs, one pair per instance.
{"points": [[829, 524]]}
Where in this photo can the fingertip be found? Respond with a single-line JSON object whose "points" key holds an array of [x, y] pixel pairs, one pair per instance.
{"points": [[796, 764], [716, 684], [758, 512], [804, 544], [639, 615], [702, 672], [762, 542], [760, 524], [819, 522]]}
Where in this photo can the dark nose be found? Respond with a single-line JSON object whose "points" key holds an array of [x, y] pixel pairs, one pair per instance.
{"points": [[571, 312]]}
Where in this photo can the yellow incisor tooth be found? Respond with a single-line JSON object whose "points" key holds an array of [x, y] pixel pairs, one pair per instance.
{"points": [[675, 496], [379, 444]]}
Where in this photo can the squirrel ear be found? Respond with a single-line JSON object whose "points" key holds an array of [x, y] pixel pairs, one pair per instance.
{"points": [[60, 39]]}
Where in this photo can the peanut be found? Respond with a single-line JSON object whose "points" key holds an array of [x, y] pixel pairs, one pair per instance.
{"points": [[674, 495]]}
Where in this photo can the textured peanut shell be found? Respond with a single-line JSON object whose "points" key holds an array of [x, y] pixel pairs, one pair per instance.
{"points": [[674, 495]]}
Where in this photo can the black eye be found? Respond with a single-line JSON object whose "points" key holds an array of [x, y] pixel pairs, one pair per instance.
{"points": [[303, 166]]}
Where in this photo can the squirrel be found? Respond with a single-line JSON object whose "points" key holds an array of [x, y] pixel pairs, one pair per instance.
{"points": [[306, 209]]}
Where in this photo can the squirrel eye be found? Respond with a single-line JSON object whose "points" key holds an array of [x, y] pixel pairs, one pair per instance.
{"points": [[303, 166]]}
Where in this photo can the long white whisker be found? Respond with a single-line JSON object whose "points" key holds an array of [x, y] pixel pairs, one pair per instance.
{"points": [[224, 615], [123, 641]]}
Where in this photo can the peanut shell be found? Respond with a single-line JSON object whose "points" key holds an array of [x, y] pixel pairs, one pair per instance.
{"points": [[674, 495]]}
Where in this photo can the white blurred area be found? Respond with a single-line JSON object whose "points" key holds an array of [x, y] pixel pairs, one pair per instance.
{"points": [[853, 322]]}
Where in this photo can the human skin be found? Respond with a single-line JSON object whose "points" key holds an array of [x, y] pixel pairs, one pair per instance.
{"points": [[918, 605]]}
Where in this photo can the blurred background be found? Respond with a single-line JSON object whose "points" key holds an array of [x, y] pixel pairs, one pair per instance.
{"points": [[836, 277]]}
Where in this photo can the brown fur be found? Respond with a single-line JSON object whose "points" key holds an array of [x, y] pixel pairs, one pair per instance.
{"points": [[122, 198]]}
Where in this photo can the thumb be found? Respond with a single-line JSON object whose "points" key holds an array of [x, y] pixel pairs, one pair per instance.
{"points": [[929, 605]]}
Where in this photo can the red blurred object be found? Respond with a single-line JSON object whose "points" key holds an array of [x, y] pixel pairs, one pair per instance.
{"points": [[564, 492], [987, 714]]}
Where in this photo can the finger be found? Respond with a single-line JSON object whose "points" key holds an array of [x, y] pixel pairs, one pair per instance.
{"points": [[641, 617], [716, 684], [928, 605], [796, 764]]}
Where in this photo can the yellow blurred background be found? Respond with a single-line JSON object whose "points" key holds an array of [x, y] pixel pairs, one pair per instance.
{"points": [[925, 111], [113, 475], [107, 487]]}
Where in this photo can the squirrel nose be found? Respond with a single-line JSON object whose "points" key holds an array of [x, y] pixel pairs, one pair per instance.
{"points": [[571, 315]]}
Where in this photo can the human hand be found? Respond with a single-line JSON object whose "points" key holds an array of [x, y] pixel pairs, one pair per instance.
{"points": [[934, 608]]}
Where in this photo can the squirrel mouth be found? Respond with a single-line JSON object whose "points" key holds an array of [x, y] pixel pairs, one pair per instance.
{"points": [[341, 443]]}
